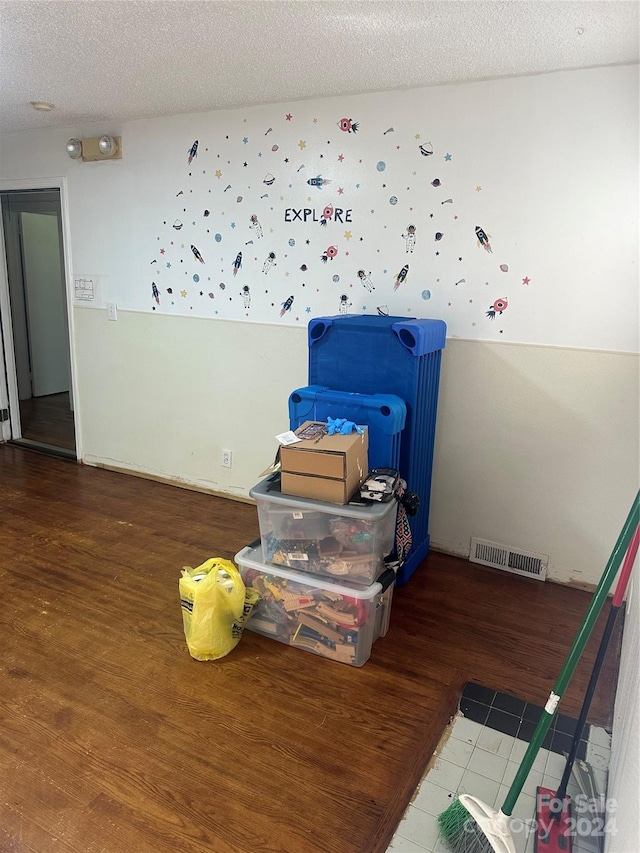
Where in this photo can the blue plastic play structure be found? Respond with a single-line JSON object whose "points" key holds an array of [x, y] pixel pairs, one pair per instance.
{"points": [[357, 361]]}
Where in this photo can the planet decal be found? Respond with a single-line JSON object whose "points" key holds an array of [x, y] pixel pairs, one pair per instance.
{"points": [[426, 294], [393, 200], [218, 238], [381, 166]]}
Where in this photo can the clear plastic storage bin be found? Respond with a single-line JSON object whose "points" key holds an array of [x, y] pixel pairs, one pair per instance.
{"points": [[327, 619], [346, 543]]}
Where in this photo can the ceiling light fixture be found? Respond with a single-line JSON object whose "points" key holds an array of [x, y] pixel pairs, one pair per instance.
{"points": [[95, 148], [74, 149], [107, 145]]}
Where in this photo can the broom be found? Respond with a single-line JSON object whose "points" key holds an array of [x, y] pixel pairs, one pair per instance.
{"points": [[552, 809], [471, 826]]}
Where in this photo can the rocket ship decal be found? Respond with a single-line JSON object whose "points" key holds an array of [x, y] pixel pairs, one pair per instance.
{"points": [[402, 275], [155, 292], [326, 215], [286, 306], [483, 239], [329, 254], [197, 254], [237, 263], [498, 307], [318, 181], [347, 125], [193, 151]]}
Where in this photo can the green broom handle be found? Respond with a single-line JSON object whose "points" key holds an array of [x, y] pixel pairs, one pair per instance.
{"points": [[588, 621]]}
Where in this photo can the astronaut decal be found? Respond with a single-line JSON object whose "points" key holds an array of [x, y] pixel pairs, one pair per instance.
{"points": [[246, 296], [410, 237], [255, 225], [366, 281], [269, 262], [344, 304]]}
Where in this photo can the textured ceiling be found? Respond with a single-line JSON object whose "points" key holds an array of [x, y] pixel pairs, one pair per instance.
{"points": [[105, 60]]}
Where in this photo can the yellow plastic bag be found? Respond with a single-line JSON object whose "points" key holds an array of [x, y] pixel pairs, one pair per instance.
{"points": [[214, 611]]}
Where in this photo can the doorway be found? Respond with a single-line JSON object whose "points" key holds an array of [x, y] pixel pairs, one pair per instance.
{"points": [[35, 323]]}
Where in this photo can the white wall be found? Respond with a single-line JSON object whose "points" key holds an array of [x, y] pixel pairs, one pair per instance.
{"points": [[537, 442]]}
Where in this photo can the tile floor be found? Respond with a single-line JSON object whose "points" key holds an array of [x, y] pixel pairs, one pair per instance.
{"points": [[480, 753]]}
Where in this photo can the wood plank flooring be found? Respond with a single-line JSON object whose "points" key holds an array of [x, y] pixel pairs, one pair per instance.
{"points": [[49, 420], [113, 740]]}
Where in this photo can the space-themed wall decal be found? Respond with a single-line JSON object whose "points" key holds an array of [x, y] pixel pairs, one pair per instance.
{"points": [[498, 307], [348, 125], [307, 214]]}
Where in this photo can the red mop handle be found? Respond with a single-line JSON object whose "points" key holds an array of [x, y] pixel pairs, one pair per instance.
{"points": [[627, 567]]}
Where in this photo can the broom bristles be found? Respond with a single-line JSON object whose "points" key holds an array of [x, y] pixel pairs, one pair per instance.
{"points": [[460, 831]]}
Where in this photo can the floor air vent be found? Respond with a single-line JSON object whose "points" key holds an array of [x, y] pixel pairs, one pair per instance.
{"points": [[513, 560]]}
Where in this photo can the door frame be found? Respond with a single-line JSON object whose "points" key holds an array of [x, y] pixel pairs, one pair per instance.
{"points": [[11, 428]]}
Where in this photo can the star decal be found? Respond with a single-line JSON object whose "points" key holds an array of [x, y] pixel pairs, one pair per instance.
{"points": [[340, 190], [302, 144], [340, 158], [526, 280], [478, 189], [183, 293], [447, 156], [218, 173], [347, 235], [288, 116], [245, 139]]}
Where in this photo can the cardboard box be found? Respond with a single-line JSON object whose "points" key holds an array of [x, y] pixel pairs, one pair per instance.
{"points": [[330, 468]]}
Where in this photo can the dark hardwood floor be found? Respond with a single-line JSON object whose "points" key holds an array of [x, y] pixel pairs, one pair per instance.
{"points": [[49, 420], [114, 740]]}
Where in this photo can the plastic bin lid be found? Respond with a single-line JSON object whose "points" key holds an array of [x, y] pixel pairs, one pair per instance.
{"points": [[269, 490], [250, 558]]}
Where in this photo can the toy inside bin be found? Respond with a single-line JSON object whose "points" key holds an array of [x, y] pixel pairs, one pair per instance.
{"points": [[345, 543], [328, 619]]}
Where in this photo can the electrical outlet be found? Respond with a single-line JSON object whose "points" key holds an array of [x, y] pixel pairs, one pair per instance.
{"points": [[225, 459], [112, 311]]}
